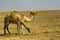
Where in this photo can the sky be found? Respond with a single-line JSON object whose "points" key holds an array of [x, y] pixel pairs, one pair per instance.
{"points": [[10, 5]]}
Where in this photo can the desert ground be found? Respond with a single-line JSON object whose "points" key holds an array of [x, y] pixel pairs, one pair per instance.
{"points": [[45, 26]]}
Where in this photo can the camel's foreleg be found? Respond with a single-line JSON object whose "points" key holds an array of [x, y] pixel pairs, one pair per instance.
{"points": [[21, 28], [18, 28], [26, 27]]}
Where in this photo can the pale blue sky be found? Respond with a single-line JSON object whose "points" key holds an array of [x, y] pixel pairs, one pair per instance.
{"points": [[10, 5]]}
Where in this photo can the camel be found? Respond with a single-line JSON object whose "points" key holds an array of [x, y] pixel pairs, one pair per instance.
{"points": [[15, 18]]}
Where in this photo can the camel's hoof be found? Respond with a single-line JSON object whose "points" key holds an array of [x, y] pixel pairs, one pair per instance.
{"points": [[22, 33], [9, 33], [17, 33]]}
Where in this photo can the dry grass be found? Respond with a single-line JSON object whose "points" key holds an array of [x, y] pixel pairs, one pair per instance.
{"points": [[45, 26]]}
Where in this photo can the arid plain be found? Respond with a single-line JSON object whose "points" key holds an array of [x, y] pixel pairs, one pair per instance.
{"points": [[45, 26]]}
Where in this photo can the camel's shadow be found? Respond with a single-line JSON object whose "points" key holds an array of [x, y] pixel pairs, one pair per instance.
{"points": [[1, 34], [12, 34]]}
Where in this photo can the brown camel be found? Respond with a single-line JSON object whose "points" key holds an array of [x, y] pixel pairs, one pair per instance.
{"points": [[15, 18]]}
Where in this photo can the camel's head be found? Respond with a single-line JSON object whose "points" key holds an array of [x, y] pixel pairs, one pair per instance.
{"points": [[33, 13], [14, 12]]}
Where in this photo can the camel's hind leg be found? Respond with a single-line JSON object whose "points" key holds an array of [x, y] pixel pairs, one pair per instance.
{"points": [[6, 23], [6, 27]]}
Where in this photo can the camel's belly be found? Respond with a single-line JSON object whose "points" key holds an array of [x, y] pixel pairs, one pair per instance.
{"points": [[13, 21]]}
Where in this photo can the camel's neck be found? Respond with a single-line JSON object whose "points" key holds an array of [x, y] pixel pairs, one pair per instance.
{"points": [[29, 19]]}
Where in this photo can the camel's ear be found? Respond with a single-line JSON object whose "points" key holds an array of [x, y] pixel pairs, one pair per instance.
{"points": [[15, 11], [33, 13]]}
